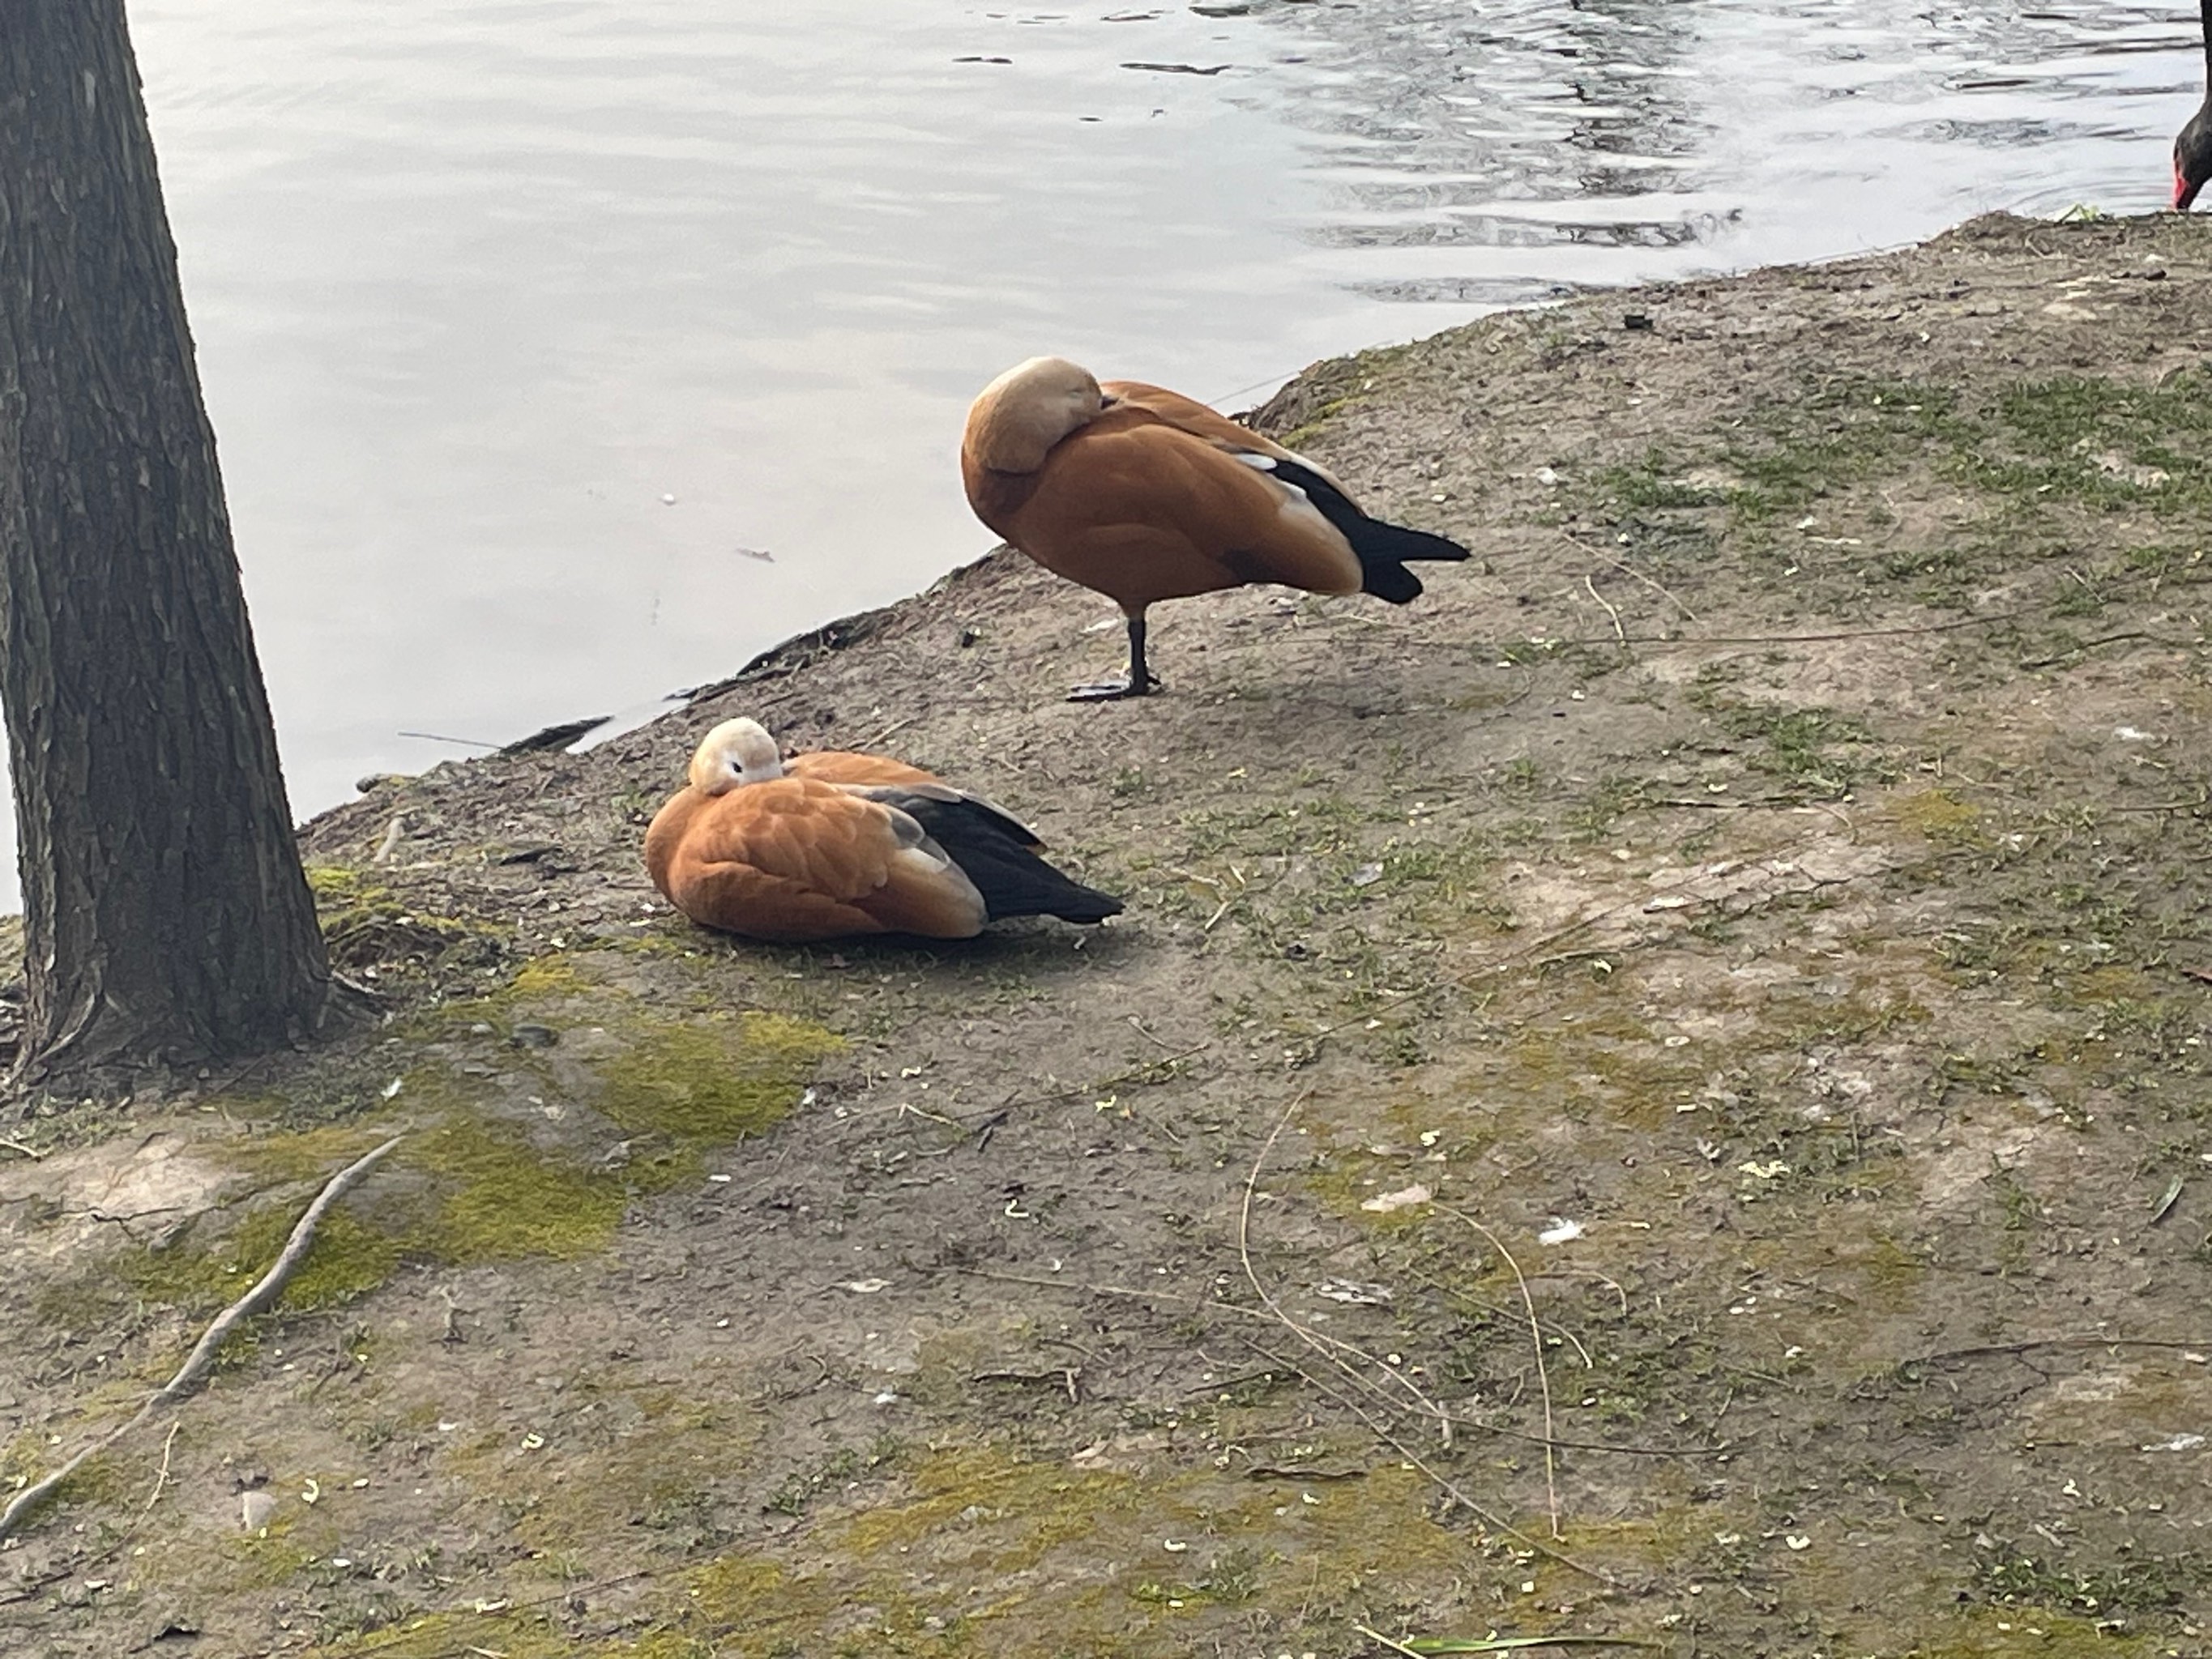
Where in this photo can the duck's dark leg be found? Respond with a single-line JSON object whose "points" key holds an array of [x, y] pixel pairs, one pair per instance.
{"points": [[1136, 682]]}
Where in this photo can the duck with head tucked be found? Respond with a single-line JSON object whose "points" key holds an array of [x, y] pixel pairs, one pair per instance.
{"points": [[1143, 495], [835, 846]]}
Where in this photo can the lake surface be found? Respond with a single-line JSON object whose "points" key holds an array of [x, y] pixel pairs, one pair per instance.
{"points": [[564, 355]]}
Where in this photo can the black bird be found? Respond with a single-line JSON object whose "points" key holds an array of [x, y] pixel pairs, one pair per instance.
{"points": [[2192, 146]]}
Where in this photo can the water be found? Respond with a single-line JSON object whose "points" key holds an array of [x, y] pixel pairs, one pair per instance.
{"points": [[528, 328]]}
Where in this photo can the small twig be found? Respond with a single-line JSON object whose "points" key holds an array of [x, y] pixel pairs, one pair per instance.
{"points": [[161, 1474], [883, 736], [31, 1152], [1543, 1372], [1450, 1488], [1138, 1025], [1627, 569], [1394, 1647], [1619, 632], [1322, 1346], [1067, 1378], [435, 737], [196, 1364], [1208, 1304], [1445, 1644], [2091, 645], [1986, 1348]]}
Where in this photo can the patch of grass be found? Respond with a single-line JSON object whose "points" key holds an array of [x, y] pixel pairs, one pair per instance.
{"points": [[1654, 483], [2148, 1585], [2101, 443], [1811, 749]]}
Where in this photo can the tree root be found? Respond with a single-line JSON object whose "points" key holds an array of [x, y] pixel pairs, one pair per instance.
{"points": [[197, 1363]]}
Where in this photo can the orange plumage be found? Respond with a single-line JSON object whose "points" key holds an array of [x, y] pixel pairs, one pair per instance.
{"points": [[841, 845], [844, 766], [1143, 495]]}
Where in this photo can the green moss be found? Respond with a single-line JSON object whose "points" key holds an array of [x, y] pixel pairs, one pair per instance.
{"points": [[445, 1635], [28, 1457], [1940, 815], [1020, 1509], [368, 924], [499, 1198], [711, 1081], [306, 1154], [549, 977], [334, 882], [348, 1259]]}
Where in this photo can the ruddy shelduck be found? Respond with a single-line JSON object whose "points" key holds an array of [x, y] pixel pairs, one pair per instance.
{"points": [[1143, 495], [837, 845]]}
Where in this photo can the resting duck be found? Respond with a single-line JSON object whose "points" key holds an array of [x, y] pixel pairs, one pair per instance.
{"points": [[837, 845], [1142, 495]]}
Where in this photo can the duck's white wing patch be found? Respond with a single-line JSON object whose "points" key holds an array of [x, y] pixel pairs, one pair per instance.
{"points": [[1295, 505]]}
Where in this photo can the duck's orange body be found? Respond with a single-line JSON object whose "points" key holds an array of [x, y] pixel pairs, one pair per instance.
{"points": [[845, 766], [1142, 495], [842, 845]]}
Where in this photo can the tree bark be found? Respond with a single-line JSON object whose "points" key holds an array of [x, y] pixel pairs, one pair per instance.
{"points": [[167, 917]]}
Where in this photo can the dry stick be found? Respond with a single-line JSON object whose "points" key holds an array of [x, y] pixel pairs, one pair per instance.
{"points": [[889, 732], [1382, 1431], [1514, 1643], [2091, 645], [1689, 640], [1394, 1647], [1305, 1334], [1536, 1336], [1619, 632], [194, 1371], [2083, 1341], [31, 1152], [1478, 1302], [1627, 569], [161, 1474], [1137, 1294]]}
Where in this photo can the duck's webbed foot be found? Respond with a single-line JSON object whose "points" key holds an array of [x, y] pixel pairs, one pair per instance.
{"points": [[1139, 682], [1113, 690]]}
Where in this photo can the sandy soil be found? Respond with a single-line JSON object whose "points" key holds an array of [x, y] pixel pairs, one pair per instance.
{"points": [[1659, 1091]]}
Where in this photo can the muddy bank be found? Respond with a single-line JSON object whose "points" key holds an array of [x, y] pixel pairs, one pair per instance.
{"points": [[1659, 1091]]}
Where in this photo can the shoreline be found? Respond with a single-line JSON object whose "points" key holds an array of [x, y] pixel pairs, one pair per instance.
{"points": [[1658, 1091]]}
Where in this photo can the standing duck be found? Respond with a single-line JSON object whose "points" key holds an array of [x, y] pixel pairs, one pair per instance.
{"points": [[2192, 145], [755, 849], [1143, 495]]}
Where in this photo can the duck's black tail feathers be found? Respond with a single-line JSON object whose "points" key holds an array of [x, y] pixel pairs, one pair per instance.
{"points": [[1383, 549], [1012, 879]]}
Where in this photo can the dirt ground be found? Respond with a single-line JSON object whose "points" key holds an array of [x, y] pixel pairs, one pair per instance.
{"points": [[1659, 1091]]}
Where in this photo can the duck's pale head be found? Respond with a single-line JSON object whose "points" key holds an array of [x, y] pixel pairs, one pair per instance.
{"points": [[736, 751], [1020, 415]]}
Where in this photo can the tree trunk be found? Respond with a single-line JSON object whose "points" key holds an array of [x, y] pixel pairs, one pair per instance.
{"points": [[166, 918]]}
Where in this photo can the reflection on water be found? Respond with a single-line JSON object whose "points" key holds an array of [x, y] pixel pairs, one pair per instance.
{"points": [[527, 325]]}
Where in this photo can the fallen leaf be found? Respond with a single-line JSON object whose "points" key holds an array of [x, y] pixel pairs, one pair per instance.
{"points": [[1384, 1203]]}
